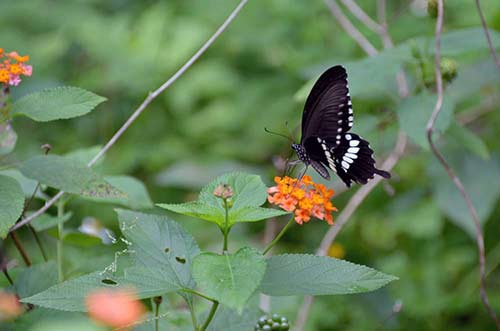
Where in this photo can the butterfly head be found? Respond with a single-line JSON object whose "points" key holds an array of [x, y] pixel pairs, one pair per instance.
{"points": [[301, 153]]}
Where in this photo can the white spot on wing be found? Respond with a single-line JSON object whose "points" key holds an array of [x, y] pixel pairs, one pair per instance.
{"points": [[339, 130], [345, 165], [353, 149], [348, 136], [352, 156], [347, 159], [354, 143]]}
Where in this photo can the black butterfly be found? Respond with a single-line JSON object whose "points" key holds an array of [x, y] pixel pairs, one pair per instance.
{"points": [[325, 141]]}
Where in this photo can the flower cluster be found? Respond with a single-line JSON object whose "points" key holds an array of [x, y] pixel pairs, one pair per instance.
{"points": [[304, 197], [12, 66]]}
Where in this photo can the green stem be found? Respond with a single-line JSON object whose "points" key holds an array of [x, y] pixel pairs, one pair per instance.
{"points": [[210, 316], [201, 295], [193, 317], [278, 237], [60, 231], [20, 248], [38, 242], [225, 232], [157, 301]]}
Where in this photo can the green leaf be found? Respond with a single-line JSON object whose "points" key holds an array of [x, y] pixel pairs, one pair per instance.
{"points": [[249, 191], [160, 245], [304, 274], [57, 103], [8, 138], [249, 194], [46, 221], [479, 179], [70, 295], [230, 278], [79, 323], [28, 185], [81, 239], [414, 113], [84, 155], [230, 320], [36, 279], [137, 197], [463, 137], [11, 203], [68, 175]]}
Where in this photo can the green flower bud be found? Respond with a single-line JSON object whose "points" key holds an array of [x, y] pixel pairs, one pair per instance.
{"points": [[449, 69]]}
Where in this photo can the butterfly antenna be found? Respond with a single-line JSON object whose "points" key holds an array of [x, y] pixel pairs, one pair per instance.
{"points": [[278, 134]]}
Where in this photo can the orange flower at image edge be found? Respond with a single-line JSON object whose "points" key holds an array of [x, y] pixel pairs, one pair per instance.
{"points": [[304, 197], [12, 66], [114, 308]]}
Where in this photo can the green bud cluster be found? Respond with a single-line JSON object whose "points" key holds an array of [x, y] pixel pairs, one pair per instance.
{"points": [[273, 322]]}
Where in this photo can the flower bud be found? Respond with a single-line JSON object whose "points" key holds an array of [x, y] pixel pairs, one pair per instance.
{"points": [[432, 8], [449, 68], [223, 191]]}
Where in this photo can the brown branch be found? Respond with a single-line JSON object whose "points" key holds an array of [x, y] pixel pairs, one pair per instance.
{"points": [[487, 34], [141, 108], [348, 27], [20, 248], [449, 170]]}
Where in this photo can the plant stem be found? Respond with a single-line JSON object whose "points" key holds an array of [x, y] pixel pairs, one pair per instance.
{"points": [[225, 232], [60, 232], [6, 273], [157, 301], [20, 248], [210, 316], [201, 295], [278, 237]]}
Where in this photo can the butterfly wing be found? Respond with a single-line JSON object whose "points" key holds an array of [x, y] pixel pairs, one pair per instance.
{"points": [[328, 109]]}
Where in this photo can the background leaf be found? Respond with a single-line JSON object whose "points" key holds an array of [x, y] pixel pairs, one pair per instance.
{"points": [[68, 175], [11, 203], [319, 275], [57, 103]]}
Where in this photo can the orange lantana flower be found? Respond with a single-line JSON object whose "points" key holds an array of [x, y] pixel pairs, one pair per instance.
{"points": [[12, 67], [303, 197]]}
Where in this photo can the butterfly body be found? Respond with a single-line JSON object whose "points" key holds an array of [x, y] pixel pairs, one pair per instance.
{"points": [[326, 142]]}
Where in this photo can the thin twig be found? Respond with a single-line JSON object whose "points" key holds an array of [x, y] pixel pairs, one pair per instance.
{"points": [[449, 170], [362, 16], [141, 108], [348, 27], [487, 34]]}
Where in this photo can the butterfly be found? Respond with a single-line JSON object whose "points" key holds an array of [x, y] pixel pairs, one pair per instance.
{"points": [[326, 142]]}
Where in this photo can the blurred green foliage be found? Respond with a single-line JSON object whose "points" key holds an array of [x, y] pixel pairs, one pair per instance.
{"points": [[212, 120]]}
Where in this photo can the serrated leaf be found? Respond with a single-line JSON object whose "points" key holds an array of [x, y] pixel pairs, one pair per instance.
{"points": [[161, 245], [249, 191], [304, 274], [414, 113], [35, 279], [68, 175], [11, 203], [57, 103], [249, 194], [253, 214], [230, 320], [70, 295], [230, 278], [8, 138], [46, 221]]}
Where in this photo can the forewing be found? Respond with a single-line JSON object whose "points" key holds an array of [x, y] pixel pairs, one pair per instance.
{"points": [[328, 109]]}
